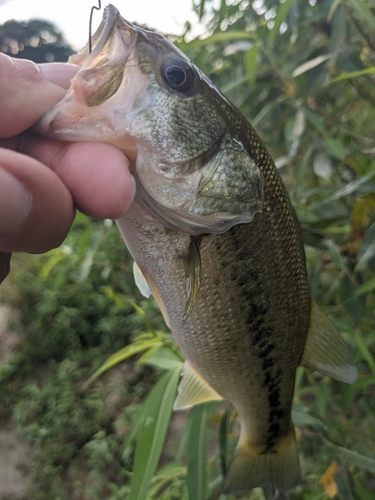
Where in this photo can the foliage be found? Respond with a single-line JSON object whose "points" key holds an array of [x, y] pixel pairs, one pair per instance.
{"points": [[304, 74], [37, 40]]}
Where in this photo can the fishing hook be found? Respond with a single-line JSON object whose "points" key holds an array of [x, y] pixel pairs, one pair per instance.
{"points": [[94, 7]]}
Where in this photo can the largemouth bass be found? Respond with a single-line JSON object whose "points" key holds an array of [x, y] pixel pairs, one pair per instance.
{"points": [[214, 234]]}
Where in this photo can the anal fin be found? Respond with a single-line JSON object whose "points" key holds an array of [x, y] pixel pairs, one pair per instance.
{"points": [[325, 350], [193, 390]]}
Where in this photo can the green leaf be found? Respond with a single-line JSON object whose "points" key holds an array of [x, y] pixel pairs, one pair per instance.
{"points": [[350, 188], [164, 476], [251, 63], [314, 120], [366, 287], [196, 452], [353, 74], [350, 392], [136, 424], [122, 354], [165, 358], [158, 409], [365, 352], [363, 491], [306, 66], [301, 416], [223, 36], [339, 29], [335, 148], [352, 458], [362, 11], [278, 20]]}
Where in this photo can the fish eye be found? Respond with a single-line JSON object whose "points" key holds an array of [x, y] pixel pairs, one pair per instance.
{"points": [[178, 75]]}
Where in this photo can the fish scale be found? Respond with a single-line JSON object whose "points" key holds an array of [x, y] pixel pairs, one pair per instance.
{"points": [[214, 233]]}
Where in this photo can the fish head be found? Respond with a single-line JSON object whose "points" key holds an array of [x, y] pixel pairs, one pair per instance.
{"points": [[139, 92]]}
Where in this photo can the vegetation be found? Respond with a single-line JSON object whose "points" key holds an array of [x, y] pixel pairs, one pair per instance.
{"points": [[36, 40], [304, 74]]}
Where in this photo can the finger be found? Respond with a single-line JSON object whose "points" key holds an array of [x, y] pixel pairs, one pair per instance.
{"points": [[36, 208], [24, 95], [59, 73], [96, 174]]}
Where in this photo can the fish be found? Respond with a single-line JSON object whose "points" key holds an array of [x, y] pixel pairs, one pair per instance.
{"points": [[214, 237]]}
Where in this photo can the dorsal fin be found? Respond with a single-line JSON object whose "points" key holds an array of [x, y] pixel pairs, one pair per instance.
{"points": [[193, 389], [325, 350]]}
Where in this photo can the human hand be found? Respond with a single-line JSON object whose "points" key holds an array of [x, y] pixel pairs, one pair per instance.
{"points": [[42, 180]]}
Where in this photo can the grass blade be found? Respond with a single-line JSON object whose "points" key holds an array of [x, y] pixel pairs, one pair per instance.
{"points": [[353, 74], [196, 452], [366, 287], [122, 354], [362, 11], [365, 352], [353, 459], [157, 412], [279, 19]]}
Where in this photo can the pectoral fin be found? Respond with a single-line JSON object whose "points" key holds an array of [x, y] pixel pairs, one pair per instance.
{"points": [[140, 281], [192, 273], [325, 350], [147, 287], [193, 390]]}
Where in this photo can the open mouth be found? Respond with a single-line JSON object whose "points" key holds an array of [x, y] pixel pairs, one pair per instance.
{"points": [[99, 39]]}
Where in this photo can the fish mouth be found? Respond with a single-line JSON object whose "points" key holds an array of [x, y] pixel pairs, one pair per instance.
{"points": [[98, 79], [104, 30], [101, 39]]}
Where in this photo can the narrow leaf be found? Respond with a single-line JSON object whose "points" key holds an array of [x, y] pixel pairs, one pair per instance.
{"points": [[366, 287], [196, 453], [365, 352], [350, 188], [137, 422], [310, 64], [362, 11], [165, 358], [223, 36], [353, 459], [122, 354], [278, 20], [353, 74], [315, 120], [251, 63], [158, 411]]}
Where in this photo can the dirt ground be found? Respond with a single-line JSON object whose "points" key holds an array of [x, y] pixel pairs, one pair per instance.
{"points": [[15, 457]]}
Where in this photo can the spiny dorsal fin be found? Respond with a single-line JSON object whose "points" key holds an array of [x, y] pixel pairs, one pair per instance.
{"points": [[193, 390], [140, 281], [325, 350]]}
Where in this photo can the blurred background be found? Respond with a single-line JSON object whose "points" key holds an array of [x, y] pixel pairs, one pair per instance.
{"points": [[303, 73]]}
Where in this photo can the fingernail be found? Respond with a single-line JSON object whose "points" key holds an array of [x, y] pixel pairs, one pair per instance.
{"points": [[15, 202], [59, 73]]}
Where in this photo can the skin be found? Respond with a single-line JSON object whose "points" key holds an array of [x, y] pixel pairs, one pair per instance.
{"points": [[42, 181]]}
